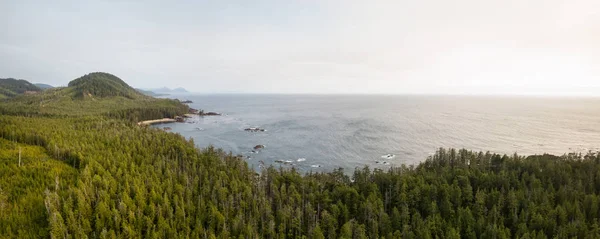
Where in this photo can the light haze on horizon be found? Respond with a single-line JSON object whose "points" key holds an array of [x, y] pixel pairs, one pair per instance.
{"points": [[536, 47]]}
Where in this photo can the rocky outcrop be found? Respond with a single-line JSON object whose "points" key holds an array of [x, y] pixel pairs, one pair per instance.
{"points": [[254, 129], [202, 113], [209, 114], [284, 161], [259, 146]]}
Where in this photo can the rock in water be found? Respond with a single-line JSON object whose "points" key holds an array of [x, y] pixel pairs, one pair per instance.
{"points": [[388, 156], [254, 129], [210, 114]]}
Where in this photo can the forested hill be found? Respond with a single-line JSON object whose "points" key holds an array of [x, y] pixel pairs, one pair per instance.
{"points": [[10, 87], [100, 84], [93, 94], [94, 175]]}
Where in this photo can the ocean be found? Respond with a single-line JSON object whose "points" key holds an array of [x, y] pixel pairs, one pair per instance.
{"points": [[325, 132]]}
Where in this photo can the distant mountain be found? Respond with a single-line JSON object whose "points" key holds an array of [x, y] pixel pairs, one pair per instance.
{"points": [[164, 89], [167, 90], [10, 87], [149, 93], [180, 90], [43, 86]]}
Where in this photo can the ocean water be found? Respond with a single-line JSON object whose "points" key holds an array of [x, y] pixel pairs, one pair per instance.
{"points": [[323, 132]]}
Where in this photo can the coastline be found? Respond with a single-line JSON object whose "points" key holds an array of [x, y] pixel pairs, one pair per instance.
{"points": [[157, 121], [169, 120]]}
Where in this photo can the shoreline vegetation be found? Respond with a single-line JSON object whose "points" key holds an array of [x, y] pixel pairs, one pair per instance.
{"points": [[84, 169]]}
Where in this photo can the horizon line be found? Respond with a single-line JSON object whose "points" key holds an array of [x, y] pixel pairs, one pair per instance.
{"points": [[532, 95]]}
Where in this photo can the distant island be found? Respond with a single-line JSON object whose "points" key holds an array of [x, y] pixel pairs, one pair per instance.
{"points": [[74, 163], [150, 93], [43, 86], [161, 91], [165, 90]]}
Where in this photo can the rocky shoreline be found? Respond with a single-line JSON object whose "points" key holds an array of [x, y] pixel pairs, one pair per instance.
{"points": [[202, 113]]}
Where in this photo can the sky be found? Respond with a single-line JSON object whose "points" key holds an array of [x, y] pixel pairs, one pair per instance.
{"points": [[537, 47]]}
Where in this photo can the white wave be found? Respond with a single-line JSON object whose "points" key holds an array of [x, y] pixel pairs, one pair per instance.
{"points": [[301, 160]]}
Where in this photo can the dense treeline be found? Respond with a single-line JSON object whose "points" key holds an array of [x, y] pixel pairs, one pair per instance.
{"points": [[141, 182], [148, 113]]}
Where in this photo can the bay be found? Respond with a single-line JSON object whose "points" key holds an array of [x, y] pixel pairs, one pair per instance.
{"points": [[324, 132]]}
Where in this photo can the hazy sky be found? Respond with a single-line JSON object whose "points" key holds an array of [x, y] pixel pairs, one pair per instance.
{"points": [[279, 46]]}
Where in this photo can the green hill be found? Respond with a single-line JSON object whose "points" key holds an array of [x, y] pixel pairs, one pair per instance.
{"points": [[10, 87], [93, 94], [99, 84]]}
